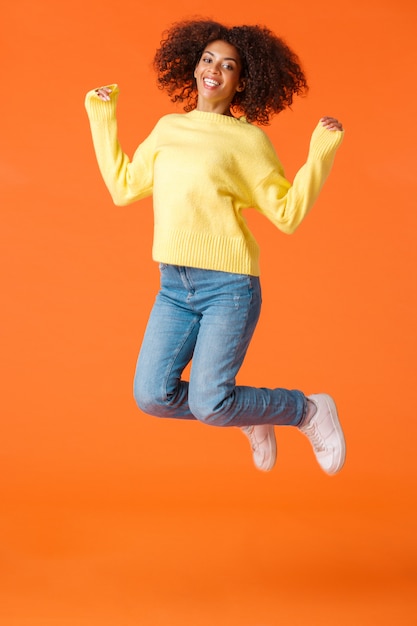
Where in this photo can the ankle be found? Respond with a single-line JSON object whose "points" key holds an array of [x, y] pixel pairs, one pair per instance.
{"points": [[310, 411]]}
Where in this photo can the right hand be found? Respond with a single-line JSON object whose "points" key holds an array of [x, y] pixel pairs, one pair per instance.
{"points": [[331, 123], [103, 93]]}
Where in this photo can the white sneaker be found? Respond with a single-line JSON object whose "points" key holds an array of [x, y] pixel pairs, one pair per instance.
{"points": [[264, 445], [325, 433]]}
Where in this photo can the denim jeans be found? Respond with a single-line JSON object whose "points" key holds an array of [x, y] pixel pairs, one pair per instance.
{"points": [[207, 317]]}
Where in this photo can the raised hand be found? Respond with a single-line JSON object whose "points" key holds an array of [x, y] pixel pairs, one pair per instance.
{"points": [[331, 123], [103, 93]]}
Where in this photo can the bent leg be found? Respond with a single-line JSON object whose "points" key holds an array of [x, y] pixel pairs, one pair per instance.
{"points": [[167, 348], [226, 329]]}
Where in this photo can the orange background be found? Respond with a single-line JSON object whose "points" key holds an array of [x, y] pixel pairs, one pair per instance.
{"points": [[113, 518]]}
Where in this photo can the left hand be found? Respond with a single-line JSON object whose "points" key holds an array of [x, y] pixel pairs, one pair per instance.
{"points": [[331, 123]]}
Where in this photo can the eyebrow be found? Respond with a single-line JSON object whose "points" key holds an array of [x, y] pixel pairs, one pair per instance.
{"points": [[225, 58]]}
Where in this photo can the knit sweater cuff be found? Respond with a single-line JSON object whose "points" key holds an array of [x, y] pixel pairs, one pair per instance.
{"points": [[325, 142], [99, 110]]}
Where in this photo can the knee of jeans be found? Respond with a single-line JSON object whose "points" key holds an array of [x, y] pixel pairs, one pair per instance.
{"points": [[203, 412], [148, 402]]}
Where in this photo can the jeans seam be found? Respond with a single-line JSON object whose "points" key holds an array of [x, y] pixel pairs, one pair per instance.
{"points": [[175, 355]]}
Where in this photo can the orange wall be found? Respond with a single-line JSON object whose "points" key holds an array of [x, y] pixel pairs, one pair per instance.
{"points": [[111, 517]]}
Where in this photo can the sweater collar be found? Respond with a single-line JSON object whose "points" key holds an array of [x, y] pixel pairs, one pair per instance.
{"points": [[205, 116]]}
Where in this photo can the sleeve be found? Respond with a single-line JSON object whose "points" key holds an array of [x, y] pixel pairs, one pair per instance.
{"points": [[127, 180], [286, 204]]}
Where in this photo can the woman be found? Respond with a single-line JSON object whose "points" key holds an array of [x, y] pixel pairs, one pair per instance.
{"points": [[204, 167]]}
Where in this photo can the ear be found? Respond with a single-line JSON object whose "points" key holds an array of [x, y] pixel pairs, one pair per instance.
{"points": [[241, 86]]}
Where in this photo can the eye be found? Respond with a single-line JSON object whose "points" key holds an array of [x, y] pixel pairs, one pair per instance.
{"points": [[206, 60]]}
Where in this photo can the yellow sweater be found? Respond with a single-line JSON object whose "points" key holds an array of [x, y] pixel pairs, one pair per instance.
{"points": [[203, 170]]}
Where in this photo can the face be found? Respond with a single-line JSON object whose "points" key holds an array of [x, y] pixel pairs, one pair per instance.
{"points": [[218, 77]]}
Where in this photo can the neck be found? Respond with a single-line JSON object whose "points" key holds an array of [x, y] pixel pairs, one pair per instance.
{"points": [[220, 109]]}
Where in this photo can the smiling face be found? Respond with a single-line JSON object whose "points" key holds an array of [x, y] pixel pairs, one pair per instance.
{"points": [[218, 77]]}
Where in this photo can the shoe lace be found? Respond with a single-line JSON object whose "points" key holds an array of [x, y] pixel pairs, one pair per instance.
{"points": [[317, 441], [250, 432]]}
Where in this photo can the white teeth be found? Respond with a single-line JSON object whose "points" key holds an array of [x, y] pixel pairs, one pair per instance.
{"points": [[211, 82]]}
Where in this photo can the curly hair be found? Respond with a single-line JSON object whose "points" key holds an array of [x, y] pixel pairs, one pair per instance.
{"points": [[272, 71]]}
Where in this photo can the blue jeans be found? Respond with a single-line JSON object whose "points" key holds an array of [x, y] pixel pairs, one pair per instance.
{"points": [[208, 317]]}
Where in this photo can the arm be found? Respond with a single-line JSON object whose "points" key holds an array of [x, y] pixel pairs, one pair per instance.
{"points": [[126, 180], [287, 205]]}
